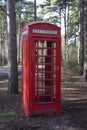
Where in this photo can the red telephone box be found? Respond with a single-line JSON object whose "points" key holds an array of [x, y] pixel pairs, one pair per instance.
{"points": [[41, 67]]}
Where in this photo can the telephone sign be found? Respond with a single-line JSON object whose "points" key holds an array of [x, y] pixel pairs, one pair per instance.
{"points": [[44, 31]]}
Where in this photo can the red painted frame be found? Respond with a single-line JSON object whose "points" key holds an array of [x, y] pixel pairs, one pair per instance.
{"points": [[29, 36]]}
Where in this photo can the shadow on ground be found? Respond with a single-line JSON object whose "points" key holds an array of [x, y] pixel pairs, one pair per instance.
{"points": [[73, 106]]}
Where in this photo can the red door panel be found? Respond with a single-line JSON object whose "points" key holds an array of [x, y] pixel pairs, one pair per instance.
{"points": [[45, 79]]}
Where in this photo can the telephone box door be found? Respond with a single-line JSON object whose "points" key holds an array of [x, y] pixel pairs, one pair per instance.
{"points": [[45, 75]]}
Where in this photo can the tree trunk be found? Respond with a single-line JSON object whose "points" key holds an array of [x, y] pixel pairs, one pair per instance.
{"points": [[12, 48], [65, 35], [35, 15], [19, 32], [82, 35], [67, 25], [85, 43]]}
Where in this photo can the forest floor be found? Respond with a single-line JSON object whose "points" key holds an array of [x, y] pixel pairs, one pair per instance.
{"points": [[73, 106]]}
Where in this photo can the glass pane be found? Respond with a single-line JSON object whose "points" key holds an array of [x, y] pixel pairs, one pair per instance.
{"points": [[45, 71]]}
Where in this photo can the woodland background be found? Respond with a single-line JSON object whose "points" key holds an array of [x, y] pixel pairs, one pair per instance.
{"points": [[70, 15]]}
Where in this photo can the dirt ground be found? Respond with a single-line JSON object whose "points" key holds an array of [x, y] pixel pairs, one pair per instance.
{"points": [[73, 106]]}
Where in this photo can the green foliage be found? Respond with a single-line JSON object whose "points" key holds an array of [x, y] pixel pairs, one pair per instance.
{"points": [[50, 11], [74, 18], [72, 65], [26, 11], [73, 61], [73, 53]]}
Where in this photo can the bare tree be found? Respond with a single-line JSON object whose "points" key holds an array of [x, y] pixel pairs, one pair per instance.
{"points": [[12, 48], [35, 15], [82, 33], [85, 41]]}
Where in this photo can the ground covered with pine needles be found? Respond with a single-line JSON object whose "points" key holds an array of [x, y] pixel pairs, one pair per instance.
{"points": [[73, 106]]}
